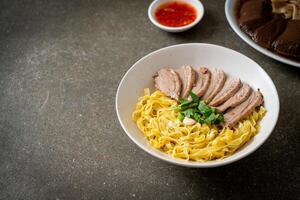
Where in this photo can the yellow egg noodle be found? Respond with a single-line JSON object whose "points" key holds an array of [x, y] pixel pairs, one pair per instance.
{"points": [[199, 142]]}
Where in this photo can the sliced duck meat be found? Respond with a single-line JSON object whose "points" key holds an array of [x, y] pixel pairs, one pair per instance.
{"points": [[187, 77], [254, 13], [237, 99], [234, 115], [202, 81], [168, 82], [232, 85], [288, 43], [268, 32], [217, 81]]}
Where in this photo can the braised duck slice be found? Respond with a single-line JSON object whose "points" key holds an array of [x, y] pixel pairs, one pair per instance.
{"points": [[234, 115], [268, 32], [288, 43], [217, 81], [237, 99], [168, 82], [202, 81], [254, 13], [187, 77], [232, 85]]}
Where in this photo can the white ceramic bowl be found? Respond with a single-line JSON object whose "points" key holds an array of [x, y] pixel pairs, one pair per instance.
{"points": [[139, 76], [230, 15], [156, 3]]}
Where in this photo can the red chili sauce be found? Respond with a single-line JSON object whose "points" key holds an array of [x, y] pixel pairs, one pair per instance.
{"points": [[175, 14]]}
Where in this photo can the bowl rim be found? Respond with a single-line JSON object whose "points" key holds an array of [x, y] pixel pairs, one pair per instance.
{"points": [[181, 162], [199, 8], [229, 12]]}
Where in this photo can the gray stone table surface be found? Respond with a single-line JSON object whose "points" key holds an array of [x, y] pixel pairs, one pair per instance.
{"points": [[60, 64]]}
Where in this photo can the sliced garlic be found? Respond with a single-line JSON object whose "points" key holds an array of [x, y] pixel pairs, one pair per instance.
{"points": [[188, 121]]}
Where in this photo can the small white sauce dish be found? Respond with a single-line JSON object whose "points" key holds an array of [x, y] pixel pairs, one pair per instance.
{"points": [[156, 3]]}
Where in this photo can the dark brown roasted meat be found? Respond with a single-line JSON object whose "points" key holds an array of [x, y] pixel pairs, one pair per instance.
{"points": [[253, 13], [268, 32], [288, 43]]}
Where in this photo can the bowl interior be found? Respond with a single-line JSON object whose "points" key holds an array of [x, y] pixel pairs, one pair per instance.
{"points": [[230, 9], [139, 76]]}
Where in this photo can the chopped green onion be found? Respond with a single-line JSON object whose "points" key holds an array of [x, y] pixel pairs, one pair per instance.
{"points": [[204, 109], [195, 98], [184, 101], [198, 110], [180, 117]]}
